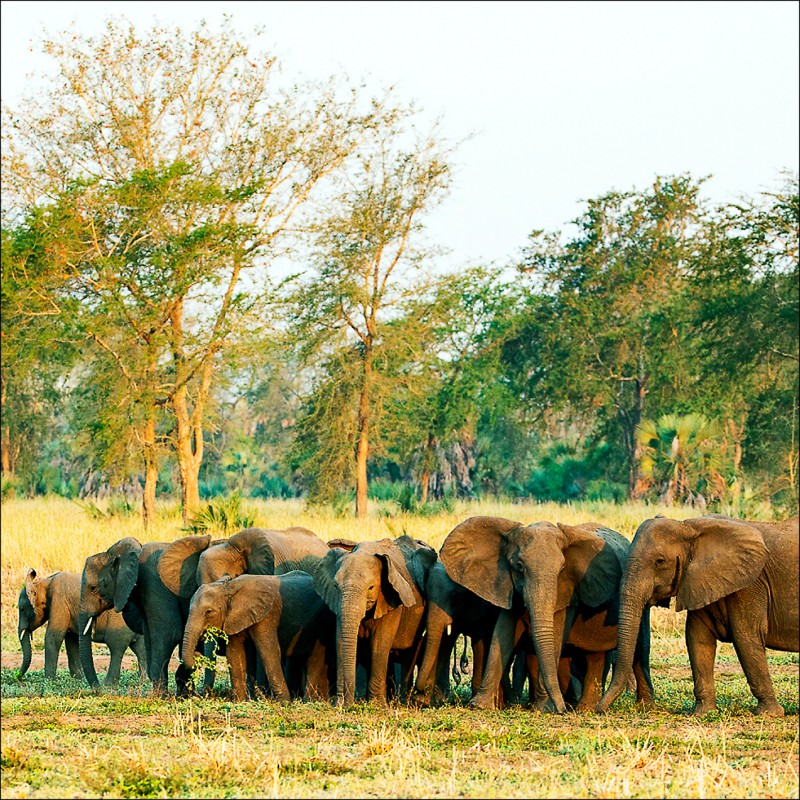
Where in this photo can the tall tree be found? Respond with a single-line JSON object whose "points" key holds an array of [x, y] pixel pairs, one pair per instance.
{"points": [[181, 164], [368, 258]]}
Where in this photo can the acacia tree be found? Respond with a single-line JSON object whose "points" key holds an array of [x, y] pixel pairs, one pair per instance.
{"points": [[367, 262], [179, 166]]}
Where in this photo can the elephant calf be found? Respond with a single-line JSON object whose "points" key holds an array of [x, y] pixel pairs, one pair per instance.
{"points": [[284, 617], [55, 600]]}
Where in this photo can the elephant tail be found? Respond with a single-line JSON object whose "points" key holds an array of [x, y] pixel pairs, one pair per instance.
{"points": [[456, 672]]}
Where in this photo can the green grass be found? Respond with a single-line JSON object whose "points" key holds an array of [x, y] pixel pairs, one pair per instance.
{"points": [[60, 739]]}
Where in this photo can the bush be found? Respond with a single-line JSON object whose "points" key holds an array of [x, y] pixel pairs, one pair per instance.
{"points": [[221, 515]]}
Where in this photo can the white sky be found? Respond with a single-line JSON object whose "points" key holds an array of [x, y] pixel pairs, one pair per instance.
{"points": [[567, 100]]}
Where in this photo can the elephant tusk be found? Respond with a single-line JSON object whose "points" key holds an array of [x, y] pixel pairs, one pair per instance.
{"points": [[88, 625], [22, 633], [449, 629]]}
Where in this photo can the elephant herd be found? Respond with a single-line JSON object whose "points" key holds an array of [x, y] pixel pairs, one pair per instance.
{"points": [[556, 604]]}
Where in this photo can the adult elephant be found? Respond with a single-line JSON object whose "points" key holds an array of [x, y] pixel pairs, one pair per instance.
{"points": [[375, 592], [559, 574], [54, 600], [125, 577], [188, 563], [739, 583]]}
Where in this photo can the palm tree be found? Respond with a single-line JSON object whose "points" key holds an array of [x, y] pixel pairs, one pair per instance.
{"points": [[684, 456]]}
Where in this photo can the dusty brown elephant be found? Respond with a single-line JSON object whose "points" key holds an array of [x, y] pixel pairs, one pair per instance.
{"points": [[55, 600], [739, 583], [282, 614], [374, 591], [566, 577]]}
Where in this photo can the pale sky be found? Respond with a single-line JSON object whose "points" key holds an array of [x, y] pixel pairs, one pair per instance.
{"points": [[566, 100]]}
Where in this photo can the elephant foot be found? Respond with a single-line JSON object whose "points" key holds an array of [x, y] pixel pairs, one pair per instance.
{"points": [[701, 709], [420, 700], [647, 702], [585, 708], [769, 708], [482, 702]]}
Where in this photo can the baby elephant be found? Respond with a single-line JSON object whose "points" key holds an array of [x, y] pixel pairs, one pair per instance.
{"points": [[284, 617], [55, 600]]}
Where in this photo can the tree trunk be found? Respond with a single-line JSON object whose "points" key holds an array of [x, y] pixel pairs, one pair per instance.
{"points": [[5, 453], [427, 462], [362, 451], [630, 422], [189, 444], [150, 473]]}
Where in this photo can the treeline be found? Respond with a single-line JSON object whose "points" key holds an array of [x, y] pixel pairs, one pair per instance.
{"points": [[216, 280]]}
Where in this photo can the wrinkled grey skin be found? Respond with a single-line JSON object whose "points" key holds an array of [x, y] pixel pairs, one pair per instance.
{"points": [[737, 579], [54, 600], [567, 579], [125, 578], [282, 614], [375, 592]]}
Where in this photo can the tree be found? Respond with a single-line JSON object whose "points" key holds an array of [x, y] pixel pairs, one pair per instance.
{"points": [[367, 262], [180, 166], [617, 330]]}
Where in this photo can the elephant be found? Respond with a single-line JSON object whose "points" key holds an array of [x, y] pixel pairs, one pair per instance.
{"points": [[55, 600], [738, 582], [567, 579], [188, 563], [451, 610], [125, 577], [375, 592], [282, 614]]}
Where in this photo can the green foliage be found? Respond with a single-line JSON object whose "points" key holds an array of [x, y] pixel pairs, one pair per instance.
{"points": [[224, 516]]}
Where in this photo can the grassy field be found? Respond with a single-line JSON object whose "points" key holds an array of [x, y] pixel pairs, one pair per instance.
{"points": [[60, 739]]}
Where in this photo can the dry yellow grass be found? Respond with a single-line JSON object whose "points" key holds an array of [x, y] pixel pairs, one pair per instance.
{"points": [[60, 740]]}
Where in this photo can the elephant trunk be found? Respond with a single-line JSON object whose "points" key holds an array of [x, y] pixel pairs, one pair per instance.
{"points": [[541, 608], [634, 596], [25, 641], [347, 627], [85, 648], [191, 636]]}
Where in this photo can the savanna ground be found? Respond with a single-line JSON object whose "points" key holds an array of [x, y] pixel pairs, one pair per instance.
{"points": [[60, 739]]}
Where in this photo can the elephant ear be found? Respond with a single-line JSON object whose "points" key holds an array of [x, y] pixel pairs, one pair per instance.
{"points": [[245, 608], [397, 587], [30, 589], [118, 575], [725, 555], [177, 565], [346, 544], [324, 579], [596, 557], [473, 555]]}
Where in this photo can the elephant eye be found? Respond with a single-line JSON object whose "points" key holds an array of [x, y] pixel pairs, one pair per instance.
{"points": [[208, 611], [660, 561], [371, 587]]}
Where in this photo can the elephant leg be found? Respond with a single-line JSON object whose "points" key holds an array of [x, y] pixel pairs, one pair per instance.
{"points": [[237, 665], [53, 640], [140, 651], [641, 664], [73, 656], [265, 638], [114, 666], [381, 645], [748, 641], [317, 687], [702, 646], [479, 652], [592, 683], [501, 649]]}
